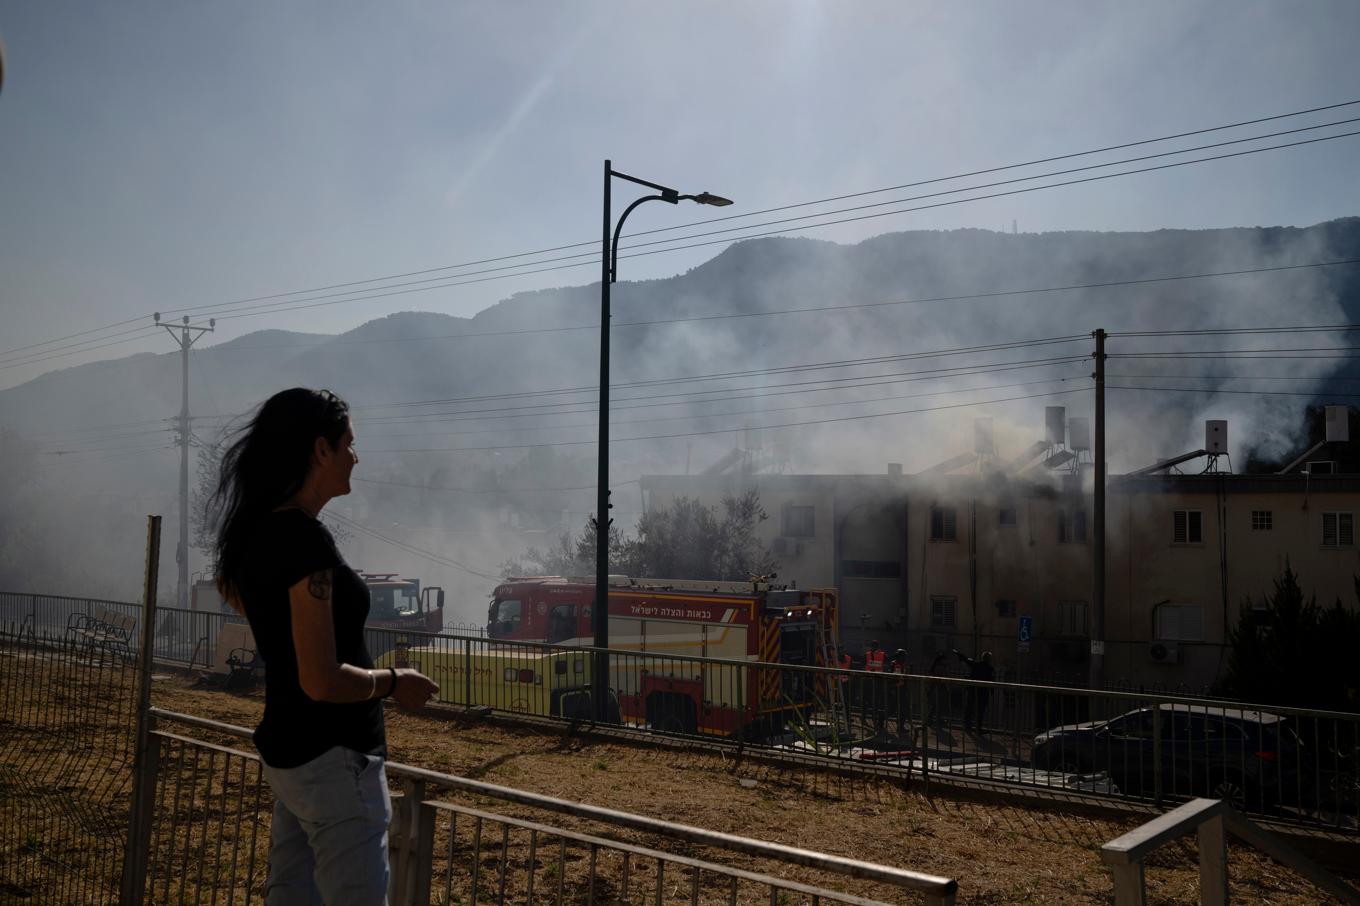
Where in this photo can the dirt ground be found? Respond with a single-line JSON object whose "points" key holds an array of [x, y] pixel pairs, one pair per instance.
{"points": [[999, 853]]}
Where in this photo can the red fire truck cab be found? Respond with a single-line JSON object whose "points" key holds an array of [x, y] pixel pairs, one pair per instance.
{"points": [[656, 620]]}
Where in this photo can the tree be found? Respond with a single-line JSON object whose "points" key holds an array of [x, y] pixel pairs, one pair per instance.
{"points": [[569, 557], [202, 525], [687, 540], [1290, 651]]}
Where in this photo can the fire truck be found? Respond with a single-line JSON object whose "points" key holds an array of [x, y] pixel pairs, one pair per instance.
{"points": [[655, 620], [396, 603]]}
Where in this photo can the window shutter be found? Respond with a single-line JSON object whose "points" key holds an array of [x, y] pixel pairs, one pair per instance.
{"points": [[1196, 533], [1345, 529], [949, 525], [1329, 529], [1178, 527], [1192, 622], [1168, 622]]}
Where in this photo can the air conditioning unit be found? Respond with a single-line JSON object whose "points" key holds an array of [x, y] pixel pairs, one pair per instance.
{"points": [[1165, 652]]}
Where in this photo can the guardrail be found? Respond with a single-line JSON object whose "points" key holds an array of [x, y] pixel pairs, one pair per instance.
{"points": [[196, 842], [1211, 820], [1293, 765]]}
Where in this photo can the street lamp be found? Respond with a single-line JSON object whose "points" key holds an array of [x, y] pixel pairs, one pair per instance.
{"points": [[599, 682]]}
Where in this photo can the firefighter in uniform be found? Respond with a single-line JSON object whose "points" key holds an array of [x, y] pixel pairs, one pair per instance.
{"points": [[875, 659]]}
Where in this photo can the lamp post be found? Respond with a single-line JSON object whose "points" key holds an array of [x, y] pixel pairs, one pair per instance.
{"points": [[599, 682]]}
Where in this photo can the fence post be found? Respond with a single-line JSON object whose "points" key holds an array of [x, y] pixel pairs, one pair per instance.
{"points": [[146, 755], [412, 849], [1128, 883], [1156, 753], [1213, 862], [467, 673]]}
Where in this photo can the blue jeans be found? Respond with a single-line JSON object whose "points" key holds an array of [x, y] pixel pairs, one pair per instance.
{"points": [[328, 843]]}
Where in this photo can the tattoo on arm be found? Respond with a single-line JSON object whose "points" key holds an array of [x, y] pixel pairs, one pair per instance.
{"points": [[320, 585]]}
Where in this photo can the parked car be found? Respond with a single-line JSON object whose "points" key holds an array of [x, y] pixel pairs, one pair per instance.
{"points": [[1249, 758]]}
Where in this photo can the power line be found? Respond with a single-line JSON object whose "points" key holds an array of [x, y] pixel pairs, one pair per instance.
{"points": [[708, 415], [305, 304], [1246, 353], [477, 262], [410, 548], [1214, 391], [822, 421], [1216, 331], [654, 402], [436, 487], [1108, 284], [789, 207], [729, 375]]}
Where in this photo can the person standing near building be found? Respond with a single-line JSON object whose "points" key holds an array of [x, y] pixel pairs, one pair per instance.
{"points": [[978, 696], [875, 659], [321, 739]]}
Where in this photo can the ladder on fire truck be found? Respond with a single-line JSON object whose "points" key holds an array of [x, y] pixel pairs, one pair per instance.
{"points": [[827, 620]]}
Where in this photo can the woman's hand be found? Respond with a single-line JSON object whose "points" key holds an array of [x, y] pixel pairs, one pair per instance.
{"points": [[413, 689]]}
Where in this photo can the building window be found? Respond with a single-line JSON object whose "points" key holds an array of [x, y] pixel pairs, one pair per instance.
{"points": [[942, 612], [1187, 527], [871, 569], [1071, 526], [1338, 529], [1007, 516], [799, 521], [1179, 622], [943, 522], [1072, 618], [1262, 520], [1005, 608]]}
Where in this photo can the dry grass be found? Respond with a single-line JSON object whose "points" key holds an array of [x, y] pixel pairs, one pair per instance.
{"points": [[1000, 853]]}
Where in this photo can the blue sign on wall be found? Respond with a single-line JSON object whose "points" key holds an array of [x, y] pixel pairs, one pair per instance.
{"points": [[1026, 628]]}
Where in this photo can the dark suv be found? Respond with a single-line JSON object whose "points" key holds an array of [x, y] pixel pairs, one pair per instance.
{"points": [[1250, 758]]}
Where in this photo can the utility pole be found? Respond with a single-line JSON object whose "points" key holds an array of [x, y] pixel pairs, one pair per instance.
{"points": [[187, 335], [1098, 541]]}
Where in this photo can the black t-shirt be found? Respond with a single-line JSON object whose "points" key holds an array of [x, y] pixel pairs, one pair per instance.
{"points": [[286, 547]]}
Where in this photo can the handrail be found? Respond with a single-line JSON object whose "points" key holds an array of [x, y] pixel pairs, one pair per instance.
{"points": [[899, 877], [1210, 818], [1149, 696]]}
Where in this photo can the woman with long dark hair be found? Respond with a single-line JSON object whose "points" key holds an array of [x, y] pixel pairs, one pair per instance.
{"points": [[321, 738]]}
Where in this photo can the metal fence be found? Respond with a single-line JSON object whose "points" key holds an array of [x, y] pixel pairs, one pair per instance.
{"points": [[207, 841], [65, 766], [1292, 765], [195, 826]]}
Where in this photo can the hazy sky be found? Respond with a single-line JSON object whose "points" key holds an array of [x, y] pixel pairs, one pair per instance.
{"points": [[155, 156]]}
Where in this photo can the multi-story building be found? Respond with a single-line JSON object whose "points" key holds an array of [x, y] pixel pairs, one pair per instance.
{"points": [[979, 556]]}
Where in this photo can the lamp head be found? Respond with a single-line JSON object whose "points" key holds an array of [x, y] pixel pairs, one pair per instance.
{"points": [[716, 201]]}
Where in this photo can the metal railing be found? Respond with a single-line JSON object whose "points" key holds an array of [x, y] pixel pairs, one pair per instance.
{"points": [[67, 712], [206, 843], [1211, 820], [1293, 765]]}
